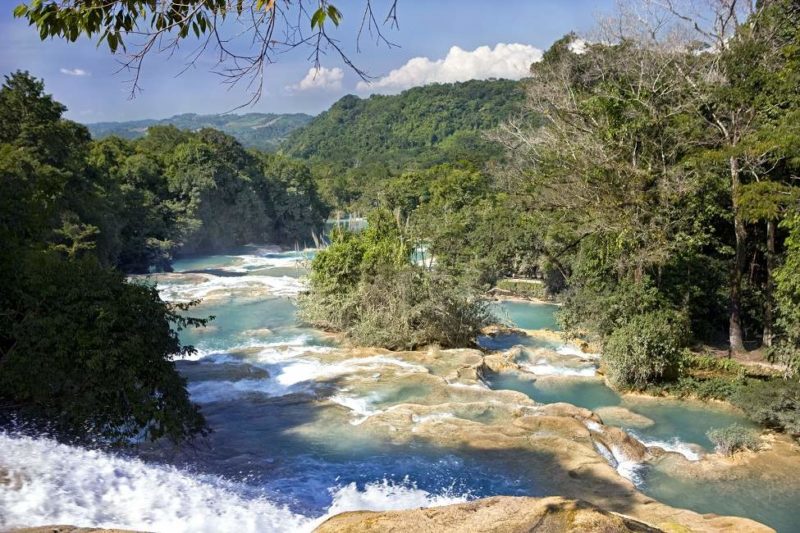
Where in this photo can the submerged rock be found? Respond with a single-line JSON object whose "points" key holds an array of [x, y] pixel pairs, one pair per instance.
{"points": [[436, 400], [623, 416]]}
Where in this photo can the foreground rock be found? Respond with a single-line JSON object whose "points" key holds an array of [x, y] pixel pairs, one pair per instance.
{"points": [[436, 400], [502, 514]]}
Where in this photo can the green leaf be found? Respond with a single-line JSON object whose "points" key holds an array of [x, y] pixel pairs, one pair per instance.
{"points": [[334, 14], [113, 41], [318, 19], [20, 10]]}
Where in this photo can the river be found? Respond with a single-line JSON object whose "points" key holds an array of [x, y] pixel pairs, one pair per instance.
{"points": [[293, 441]]}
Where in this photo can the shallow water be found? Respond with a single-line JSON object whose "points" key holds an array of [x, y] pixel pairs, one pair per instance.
{"points": [[588, 393], [280, 457], [284, 454], [528, 315], [769, 501], [679, 426]]}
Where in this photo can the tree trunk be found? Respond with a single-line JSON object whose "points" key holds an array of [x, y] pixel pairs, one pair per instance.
{"points": [[767, 336], [735, 336]]}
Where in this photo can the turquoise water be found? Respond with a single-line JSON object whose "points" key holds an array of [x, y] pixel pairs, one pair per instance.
{"points": [[254, 439], [770, 501], [678, 425], [683, 420], [589, 393], [527, 315], [268, 466]]}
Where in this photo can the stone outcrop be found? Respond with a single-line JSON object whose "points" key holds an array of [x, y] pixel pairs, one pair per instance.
{"points": [[496, 515], [623, 446], [621, 415]]}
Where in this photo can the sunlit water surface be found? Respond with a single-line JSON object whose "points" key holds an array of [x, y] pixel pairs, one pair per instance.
{"points": [[679, 426], [260, 380]]}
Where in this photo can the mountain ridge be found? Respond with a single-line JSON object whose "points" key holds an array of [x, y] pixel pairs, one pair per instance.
{"points": [[264, 131]]}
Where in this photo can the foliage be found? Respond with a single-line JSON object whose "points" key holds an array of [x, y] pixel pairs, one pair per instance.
{"points": [[366, 285], [141, 27], [264, 131], [182, 192], [787, 296], [79, 345], [533, 289], [773, 403], [646, 349], [92, 353], [732, 439], [357, 144]]}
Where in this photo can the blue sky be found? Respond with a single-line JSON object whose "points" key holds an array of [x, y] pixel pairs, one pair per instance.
{"points": [[493, 38]]}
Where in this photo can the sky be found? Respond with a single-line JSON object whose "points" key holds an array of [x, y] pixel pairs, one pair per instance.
{"points": [[437, 41]]}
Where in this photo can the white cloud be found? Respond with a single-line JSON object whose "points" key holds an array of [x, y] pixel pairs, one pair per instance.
{"points": [[75, 72], [327, 79], [511, 61]]}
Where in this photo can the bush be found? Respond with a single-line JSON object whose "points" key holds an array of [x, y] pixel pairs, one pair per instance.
{"points": [[646, 349], [91, 353], [366, 286], [773, 403], [524, 288], [732, 439]]}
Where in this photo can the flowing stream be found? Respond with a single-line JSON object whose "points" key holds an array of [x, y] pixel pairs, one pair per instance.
{"points": [[288, 408]]}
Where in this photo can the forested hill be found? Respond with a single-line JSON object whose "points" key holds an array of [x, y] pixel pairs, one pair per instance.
{"points": [[254, 130], [417, 124]]}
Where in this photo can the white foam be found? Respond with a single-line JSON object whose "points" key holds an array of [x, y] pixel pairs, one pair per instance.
{"points": [[60, 484], [631, 470], [362, 407], [574, 351], [605, 452], [247, 263], [478, 385], [308, 370], [625, 467], [185, 292], [594, 426], [69, 485], [218, 391], [689, 451], [388, 496], [433, 417], [544, 368], [292, 376], [268, 352]]}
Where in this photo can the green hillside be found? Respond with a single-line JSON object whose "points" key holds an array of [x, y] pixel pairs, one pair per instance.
{"points": [[360, 141], [413, 124], [254, 130]]}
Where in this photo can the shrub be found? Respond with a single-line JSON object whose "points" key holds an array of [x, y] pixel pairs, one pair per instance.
{"points": [[646, 349], [773, 403], [366, 286], [732, 439], [92, 353], [524, 288]]}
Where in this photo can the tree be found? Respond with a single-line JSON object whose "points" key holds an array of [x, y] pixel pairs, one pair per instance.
{"points": [[608, 171], [92, 354], [80, 347], [141, 27]]}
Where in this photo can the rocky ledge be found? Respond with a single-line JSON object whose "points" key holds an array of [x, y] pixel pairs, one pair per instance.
{"points": [[501, 514]]}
